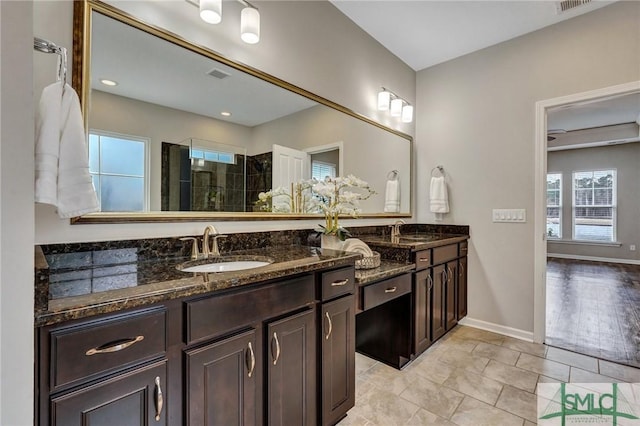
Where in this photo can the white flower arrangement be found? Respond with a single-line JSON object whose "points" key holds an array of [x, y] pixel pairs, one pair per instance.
{"points": [[333, 197]]}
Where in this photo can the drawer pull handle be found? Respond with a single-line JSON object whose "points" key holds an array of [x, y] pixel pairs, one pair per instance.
{"points": [[252, 360], [277, 355], [326, 314], [159, 399], [423, 259], [116, 346], [391, 290], [340, 283]]}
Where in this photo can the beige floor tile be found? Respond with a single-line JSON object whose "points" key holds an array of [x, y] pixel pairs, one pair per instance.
{"points": [[619, 371], [477, 334], [433, 397], [430, 368], [475, 385], [544, 366], [423, 418], [545, 379], [523, 346], [363, 363], [354, 419], [362, 386], [573, 359], [518, 402], [579, 375], [528, 423], [463, 360], [459, 343], [514, 376], [384, 408], [388, 378], [472, 412], [499, 353]]}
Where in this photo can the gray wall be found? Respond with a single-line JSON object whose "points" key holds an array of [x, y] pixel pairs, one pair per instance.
{"points": [[16, 214], [476, 117], [626, 160]]}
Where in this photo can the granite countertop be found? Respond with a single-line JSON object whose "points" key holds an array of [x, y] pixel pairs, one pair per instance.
{"points": [[414, 241], [387, 269], [89, 283]]}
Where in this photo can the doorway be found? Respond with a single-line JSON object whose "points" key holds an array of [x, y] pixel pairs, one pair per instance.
{"points": [[577, 220]]}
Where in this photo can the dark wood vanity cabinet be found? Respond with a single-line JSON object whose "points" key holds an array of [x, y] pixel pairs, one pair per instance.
{"points": [[274, 353], [440, 292]]}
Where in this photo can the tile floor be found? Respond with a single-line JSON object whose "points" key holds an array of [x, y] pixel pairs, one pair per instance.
{"points": [[471, 377]]}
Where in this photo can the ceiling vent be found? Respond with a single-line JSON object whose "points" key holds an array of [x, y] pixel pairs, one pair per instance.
{"points": [[563, 6], [219, 74]]}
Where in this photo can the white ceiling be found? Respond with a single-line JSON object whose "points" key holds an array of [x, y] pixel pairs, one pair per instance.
{"points": [[153, 70], [423, 33]]}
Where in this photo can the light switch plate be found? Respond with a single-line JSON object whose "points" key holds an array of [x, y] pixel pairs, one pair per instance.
{"points": [[509, 215]]}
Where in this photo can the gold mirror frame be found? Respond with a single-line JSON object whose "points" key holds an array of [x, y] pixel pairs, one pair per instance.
{"points": [[81, 82]]}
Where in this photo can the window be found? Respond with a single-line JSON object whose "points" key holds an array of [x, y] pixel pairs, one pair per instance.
{"points": [[117, 165], [320, 170], [594, 205], [215, 156], [554, 205]]}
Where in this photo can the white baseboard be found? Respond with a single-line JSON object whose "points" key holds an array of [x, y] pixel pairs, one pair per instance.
{"points": [[594, 258], [497, 328]]}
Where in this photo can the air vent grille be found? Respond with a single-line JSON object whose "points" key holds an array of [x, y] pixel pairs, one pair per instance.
{"points": [[565, 5], [218, 73]]}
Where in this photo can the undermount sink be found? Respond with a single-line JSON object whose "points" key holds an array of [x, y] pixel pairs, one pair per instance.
{"points": [[225, 264]]}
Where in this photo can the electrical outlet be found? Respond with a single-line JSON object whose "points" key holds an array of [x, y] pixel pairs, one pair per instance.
{"points": [[632, 247]]}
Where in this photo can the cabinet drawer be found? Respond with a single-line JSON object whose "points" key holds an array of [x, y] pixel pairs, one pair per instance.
{"points": [[423, 259], [445, 253], [383, 291], [85, 351], [338, 282], [219, 314]]}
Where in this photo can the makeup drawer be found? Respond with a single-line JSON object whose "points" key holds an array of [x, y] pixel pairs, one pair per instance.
{"points": [[383, 291]]}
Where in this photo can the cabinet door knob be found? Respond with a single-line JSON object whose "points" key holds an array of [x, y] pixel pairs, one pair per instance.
{"points": [[390, 290], [116, 346], [159, 399], [276, 356], [326, 314], [340, 283], [251, 361]]}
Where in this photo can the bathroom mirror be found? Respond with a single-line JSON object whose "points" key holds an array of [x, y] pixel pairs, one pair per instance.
{"points": [[147, 94]]}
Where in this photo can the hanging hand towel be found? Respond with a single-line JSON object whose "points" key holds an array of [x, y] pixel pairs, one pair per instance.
{"points": [[61, 161], [392, 196], [439, 200]]}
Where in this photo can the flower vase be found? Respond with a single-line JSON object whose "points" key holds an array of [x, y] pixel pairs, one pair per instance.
{"points": [[331, 242]]}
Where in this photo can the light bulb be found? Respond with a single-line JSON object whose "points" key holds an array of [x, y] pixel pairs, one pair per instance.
{"points": [[407, 113], [396, 107], [211, 11], [383, 100], [250, 25]]}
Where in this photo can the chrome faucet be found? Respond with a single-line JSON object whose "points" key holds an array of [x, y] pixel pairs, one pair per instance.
{"points": [[395, 228], [207, 250]]}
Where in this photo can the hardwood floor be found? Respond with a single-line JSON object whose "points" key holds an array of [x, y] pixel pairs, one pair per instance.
{"points": [[593, 308]]}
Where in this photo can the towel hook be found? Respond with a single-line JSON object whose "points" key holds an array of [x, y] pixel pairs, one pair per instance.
{"points": [[47, 46], [393, 174], [439, 169]]}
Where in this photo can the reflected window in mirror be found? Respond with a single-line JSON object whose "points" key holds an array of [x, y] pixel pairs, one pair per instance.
{"points": [[118, 168], [320, 170]]}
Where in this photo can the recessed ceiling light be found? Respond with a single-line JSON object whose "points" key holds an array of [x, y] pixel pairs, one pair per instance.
{"points": [[226, 113], [108, 82]]}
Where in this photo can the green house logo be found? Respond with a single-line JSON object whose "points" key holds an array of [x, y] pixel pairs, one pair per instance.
{"points": [[592, 403]]}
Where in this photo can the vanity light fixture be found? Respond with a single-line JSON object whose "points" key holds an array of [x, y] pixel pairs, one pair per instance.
{"points": [[107, 82], [397, 107], [211, 12]]}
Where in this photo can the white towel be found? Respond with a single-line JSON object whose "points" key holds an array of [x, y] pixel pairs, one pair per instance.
{"points": [[392, 196], [61, 161], [357, 246], [439, 200]]}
